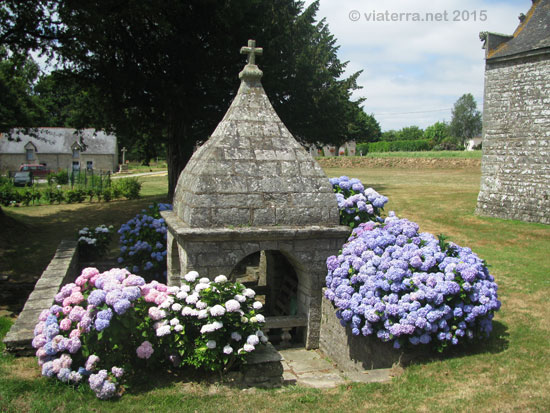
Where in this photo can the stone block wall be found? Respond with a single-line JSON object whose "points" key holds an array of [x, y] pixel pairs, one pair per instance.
{"points": [[357, 353], [215, 251], [62, 269], [516, 140]]}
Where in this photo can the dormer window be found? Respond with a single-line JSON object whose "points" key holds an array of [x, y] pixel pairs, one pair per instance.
{"points": [[30, 151], [76, 150]]}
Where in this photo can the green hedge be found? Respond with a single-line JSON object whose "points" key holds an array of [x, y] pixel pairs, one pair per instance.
{"points": [[128, 188], [397, 146], [362, 148]]}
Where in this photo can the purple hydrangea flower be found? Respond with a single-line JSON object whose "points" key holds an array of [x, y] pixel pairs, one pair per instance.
{"points": [[97, 297], [392, 281], [101, 324]]}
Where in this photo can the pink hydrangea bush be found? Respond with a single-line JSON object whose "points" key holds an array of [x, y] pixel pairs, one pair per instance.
{"points": [[105, 327], [73, 340]]}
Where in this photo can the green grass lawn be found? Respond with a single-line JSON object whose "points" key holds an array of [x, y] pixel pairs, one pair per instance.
{"points": [[509, 372], [425, 154], [154, 166], [30, 235]]}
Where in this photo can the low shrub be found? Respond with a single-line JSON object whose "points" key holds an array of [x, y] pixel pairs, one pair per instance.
{"points": [[59, 178], [409, 287], [105, 193], [30, 195], [449, 144], [129, 188], [8, 194], [362, 148], [94, 243], [75, 195], [90, 193], [109, 328], [53, 195]]}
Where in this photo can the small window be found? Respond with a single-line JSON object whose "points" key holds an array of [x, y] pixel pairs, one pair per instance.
{"points": [[76, 166], [89, 165], [30, 154], [76, 153]]}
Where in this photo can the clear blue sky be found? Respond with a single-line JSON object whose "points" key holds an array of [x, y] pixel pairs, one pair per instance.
{"points": [[414, 71]]}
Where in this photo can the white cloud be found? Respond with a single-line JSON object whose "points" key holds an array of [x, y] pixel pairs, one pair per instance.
{"points": [[417, 66]]}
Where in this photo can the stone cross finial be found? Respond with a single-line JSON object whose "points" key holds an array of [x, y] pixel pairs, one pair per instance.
{"points": [[252, 51]]}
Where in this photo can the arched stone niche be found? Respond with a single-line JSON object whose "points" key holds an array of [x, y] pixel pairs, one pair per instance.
{"points": [[215, 251]]}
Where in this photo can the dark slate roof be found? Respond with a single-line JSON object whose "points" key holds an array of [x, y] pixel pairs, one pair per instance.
{"points": [[58, 141], [531, 35]]}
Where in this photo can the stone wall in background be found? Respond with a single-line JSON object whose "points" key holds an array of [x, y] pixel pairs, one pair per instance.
{"points": [[515, 180]]}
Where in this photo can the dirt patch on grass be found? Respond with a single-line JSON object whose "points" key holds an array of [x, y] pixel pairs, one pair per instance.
{"points": [[400, 163], [529, 306], [25, 368]]}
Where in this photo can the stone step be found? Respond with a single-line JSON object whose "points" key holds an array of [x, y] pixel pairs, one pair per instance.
{"points": [[285, 321], [62, 268]]}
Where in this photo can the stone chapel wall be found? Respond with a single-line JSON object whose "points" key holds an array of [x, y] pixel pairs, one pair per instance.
{"points": [[516, 140]]}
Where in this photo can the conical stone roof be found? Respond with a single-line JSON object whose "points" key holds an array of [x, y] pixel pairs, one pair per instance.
{"points": [[252, 172]]}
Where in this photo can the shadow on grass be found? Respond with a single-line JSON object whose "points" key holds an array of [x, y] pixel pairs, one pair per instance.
{"points": [[188, 376], [30, 237], [498, 342], [378, 188]]}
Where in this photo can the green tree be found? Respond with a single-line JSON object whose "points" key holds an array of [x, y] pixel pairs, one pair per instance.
{"points": [[437, 132], [466, 121], [364, 128], [19, 106], [389, 135], [168, 70], [410, 133], [68, 103]]}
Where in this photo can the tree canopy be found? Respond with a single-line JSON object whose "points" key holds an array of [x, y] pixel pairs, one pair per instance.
{"points": [[466, 121], [18, 104], [408, 133], [437, 132], [167, 71]]}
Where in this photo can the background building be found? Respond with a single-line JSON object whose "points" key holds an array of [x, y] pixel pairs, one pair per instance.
{"points": [[515, 181], [59, 148]]}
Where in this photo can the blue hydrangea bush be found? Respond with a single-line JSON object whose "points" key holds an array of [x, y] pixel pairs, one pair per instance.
{"points": [[357, 204], [107, 328], [143, 243], [407, 287]]}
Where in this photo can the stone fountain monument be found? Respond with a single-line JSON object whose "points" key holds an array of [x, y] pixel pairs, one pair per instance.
{"points": [[253, 188]]}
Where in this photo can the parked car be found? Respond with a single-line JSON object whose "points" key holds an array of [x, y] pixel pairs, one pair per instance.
{"points": [[23, 178], [36, 169]]}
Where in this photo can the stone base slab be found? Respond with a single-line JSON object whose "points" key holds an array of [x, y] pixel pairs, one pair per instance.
{"points": [[356, 353], [62, 268]]}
